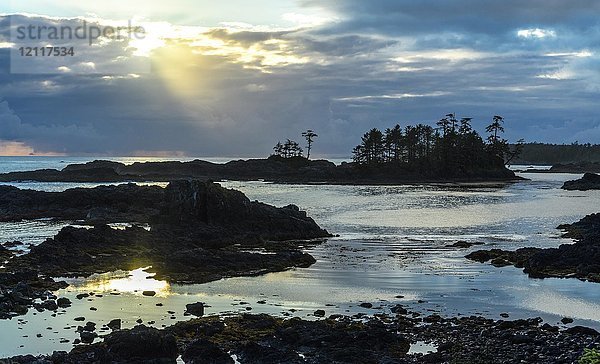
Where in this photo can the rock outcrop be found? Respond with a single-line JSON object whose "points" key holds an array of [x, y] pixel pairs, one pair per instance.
{"points": [[199, 232], [579, 260], [589, 181], [122, 203]]}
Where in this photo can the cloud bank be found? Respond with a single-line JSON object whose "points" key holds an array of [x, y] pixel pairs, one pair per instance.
{"points": [[238, 88]]}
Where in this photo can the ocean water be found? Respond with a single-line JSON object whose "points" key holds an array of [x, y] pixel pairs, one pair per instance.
{"points": [[392, 248]]}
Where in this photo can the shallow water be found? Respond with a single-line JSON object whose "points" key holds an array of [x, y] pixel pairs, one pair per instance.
{"points": [[393, 242]]}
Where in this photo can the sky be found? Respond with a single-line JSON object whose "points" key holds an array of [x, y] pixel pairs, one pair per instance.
{"points": [[233, 77]]}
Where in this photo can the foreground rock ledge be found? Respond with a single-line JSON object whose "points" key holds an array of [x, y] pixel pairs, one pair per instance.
{"points": [[580, 260], [338, 339], [199, 232]]}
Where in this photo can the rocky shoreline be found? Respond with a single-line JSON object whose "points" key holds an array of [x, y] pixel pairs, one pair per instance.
{"points": [[589, 181], [579, 260], [197, 232], [274, 169], [381, 338]]}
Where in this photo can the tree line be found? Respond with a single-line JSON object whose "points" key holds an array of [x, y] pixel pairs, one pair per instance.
{"points": [[541, 153], [452, 146]]}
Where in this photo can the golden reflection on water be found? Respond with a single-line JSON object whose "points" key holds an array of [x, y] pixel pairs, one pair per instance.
{"points": [[135, 281]]}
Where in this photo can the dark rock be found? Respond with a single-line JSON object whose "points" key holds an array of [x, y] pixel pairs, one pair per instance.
{"points": [[63, 302], [90, 326], [114, 324], [463, 244], [141, 343], [589, 181], [79, 318], [149, 293], [202, 351], [398, 309], [87, 337], [566, 320], [366, 305], [196, 309], [581, 330], [319, 313], [579, 260]]}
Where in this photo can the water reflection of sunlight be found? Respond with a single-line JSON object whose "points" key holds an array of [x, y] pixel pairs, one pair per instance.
{"points": [[135, 281]]}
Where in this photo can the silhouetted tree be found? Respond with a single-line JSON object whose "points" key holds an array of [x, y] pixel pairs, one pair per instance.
{"points": [[497, 145], [394, 143], [309, 135], [278, 149], [288, 149]]}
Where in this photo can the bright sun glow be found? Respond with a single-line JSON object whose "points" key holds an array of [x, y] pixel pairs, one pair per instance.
{"points": [[135, 281]]}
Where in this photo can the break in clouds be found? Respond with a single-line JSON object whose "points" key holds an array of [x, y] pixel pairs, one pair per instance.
{"points": [[236, 89]]}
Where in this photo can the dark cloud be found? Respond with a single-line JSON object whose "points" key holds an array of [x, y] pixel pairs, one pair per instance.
{"points": [[383, 62]]}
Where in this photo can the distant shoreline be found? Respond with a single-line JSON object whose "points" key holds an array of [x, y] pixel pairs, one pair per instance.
{"points": [[273, 169]]}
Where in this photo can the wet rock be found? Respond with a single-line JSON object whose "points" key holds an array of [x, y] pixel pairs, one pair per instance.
{"points": [[141, 343], [566, 320], [114, 324], [149, 293], [589, 181], [463, 244], [196, 309], [63, 302], [366, 305], [398, 309], [581, 330], [319, 313], [202, 351], [200, 232], [87, 337], [81, 318]]}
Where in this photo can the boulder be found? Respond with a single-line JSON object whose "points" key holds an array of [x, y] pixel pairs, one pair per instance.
{"points": [[196, 309]]}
